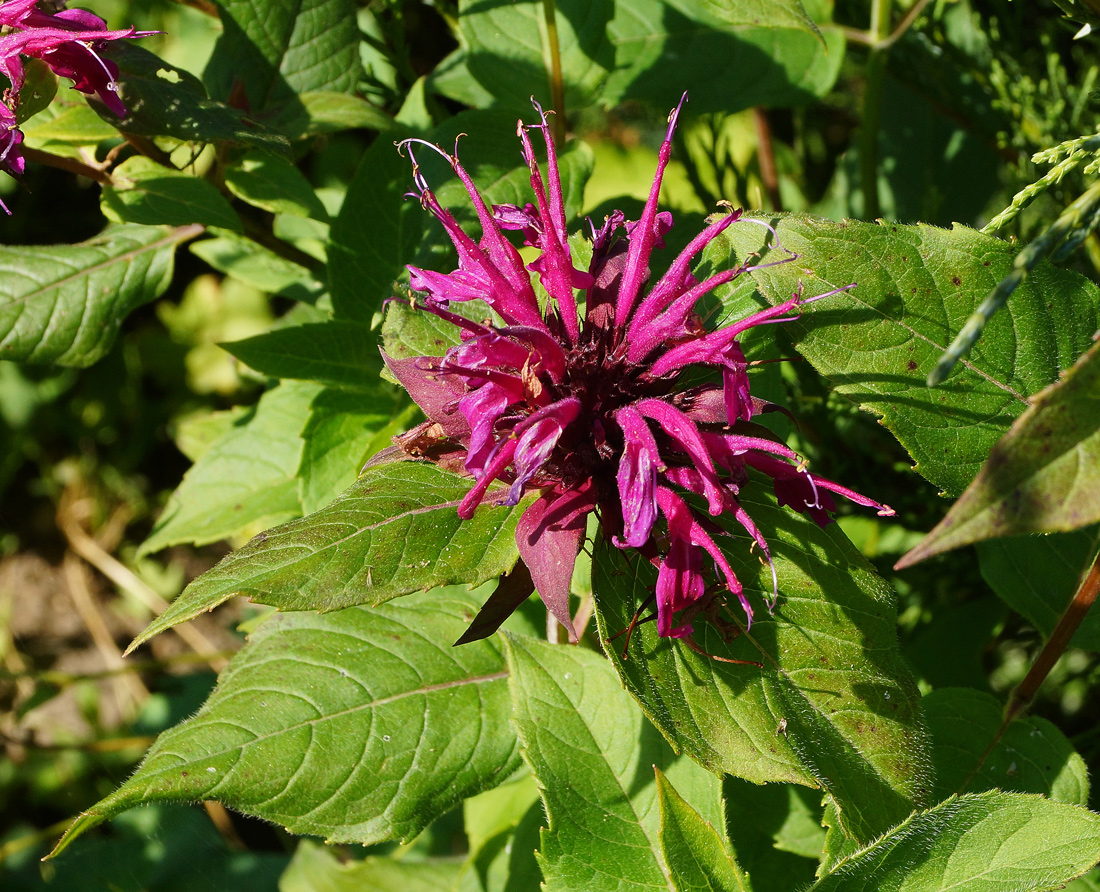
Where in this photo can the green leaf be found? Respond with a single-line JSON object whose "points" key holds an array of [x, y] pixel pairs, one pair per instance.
{"points": [[274, 184], [38, 90], [317, 869], [995, 842], [593, 755], [1032, 756], [143, 191], [409, 332], [1037, 576], [254, 265], [1042, 477], [162, 100], [360, 726], [64, 304], [697, 857], [394, 531], [369, 250], [507, 51], [280, 48], [915, 285], [343, 354], [68, 121], [343, 431], [245, 480], [834, 705], [775, 830], [730, 55], [502, 826], [323, 111]]}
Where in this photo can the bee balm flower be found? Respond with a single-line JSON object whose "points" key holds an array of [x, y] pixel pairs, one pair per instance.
{"points": [[582, 400]]}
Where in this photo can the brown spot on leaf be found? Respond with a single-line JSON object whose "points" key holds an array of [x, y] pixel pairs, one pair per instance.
{"points": [[912, 366], [956, 280]]}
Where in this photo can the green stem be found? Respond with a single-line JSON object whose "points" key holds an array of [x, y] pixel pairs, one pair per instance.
{"points": [[872, 107], [557, 85]]}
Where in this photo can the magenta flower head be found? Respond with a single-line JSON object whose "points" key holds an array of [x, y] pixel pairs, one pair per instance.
{"points": [[579, 398], [68, 41]]}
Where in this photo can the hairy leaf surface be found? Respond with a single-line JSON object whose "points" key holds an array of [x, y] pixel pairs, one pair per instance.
{"points": [[360, 726], [593, 755], [394, 531], [915, 286], [834, 704], [64, 304]]}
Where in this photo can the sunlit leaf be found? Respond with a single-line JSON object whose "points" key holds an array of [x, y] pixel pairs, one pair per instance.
{"points": [[360, 726]]}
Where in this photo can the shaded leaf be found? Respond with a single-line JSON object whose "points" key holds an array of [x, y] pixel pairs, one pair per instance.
{"points": [[280, 48], [593, 755], [729, 55], [1042, 476], [324, 111], [369, 249], [342, 354], [996, 842], [394, 531], [248, 262], [1037, 576], [1033, 756], [834, 705], [38, 90], [162, 100], [146, 192], [359, 726], [915, 285], [274, 184], [507, 53], [316, 869], [697, 857], [64, 304], [245, 480]]}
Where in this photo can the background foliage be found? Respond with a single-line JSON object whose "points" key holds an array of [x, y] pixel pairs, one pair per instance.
{"points": [[191, 306]]}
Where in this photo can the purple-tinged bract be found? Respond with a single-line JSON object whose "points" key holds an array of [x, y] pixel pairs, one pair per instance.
{"points": [[582, 401]]}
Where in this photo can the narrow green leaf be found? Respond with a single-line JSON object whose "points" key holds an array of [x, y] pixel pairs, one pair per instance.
{"points": [[993, 842], [274, 184], [64, 304], [1043, 476], [698, 859], [834, 704], [316, 869], [360, 726], [146, 192], [343, 431], [335, 352], [280, 48], [1032, 756], [162, 100], [394, 531], [1037, 576], [593, 755], [245, 480], [915, 285]]}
